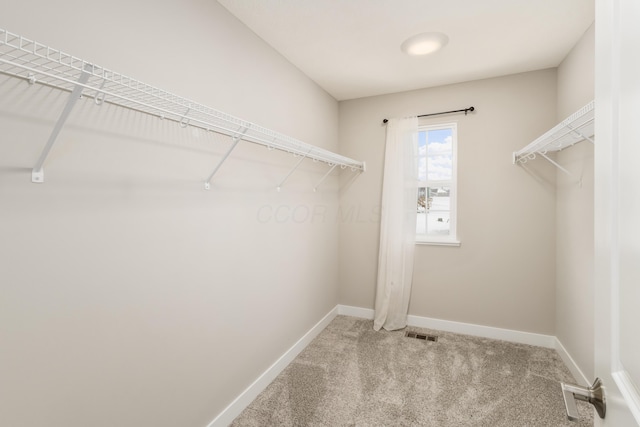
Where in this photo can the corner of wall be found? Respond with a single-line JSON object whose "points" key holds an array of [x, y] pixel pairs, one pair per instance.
{"points": [[574, 217]]}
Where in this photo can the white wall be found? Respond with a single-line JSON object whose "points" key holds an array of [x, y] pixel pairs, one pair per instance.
{"points": [[129, 296], [503, 275], [574, 215]]}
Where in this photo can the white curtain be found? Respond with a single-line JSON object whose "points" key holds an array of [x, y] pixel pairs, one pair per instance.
{"points": [[397, 225]]}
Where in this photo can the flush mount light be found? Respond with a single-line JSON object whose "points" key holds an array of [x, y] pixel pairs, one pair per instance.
{"points": [[424, 44]]}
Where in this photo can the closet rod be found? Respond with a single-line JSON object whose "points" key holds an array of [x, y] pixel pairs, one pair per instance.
{"points": [[465, 110]]}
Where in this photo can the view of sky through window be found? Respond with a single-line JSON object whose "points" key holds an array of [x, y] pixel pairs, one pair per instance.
{"points": [[436, 163]]}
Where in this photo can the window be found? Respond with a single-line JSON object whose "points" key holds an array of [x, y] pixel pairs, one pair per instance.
{"points": [[436, 219]]}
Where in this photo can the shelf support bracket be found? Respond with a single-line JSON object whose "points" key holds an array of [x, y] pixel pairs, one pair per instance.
{"points": [[293, 170], [236, 139], [581, 135], [100, 96], [324, 177], [184, 121], [37, 174], [555, 164]]}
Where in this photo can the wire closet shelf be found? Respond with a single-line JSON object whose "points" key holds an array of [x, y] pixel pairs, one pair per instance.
{"points": [[38, 63], [575, 128]]}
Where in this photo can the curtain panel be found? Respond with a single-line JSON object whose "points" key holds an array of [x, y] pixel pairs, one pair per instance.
{"points": [[397, 225]]}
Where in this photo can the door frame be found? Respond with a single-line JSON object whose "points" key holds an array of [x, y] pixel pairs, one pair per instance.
{"points": [[623, 400]]}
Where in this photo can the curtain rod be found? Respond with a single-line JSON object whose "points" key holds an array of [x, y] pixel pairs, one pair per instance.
{"points": [[465, 110]]}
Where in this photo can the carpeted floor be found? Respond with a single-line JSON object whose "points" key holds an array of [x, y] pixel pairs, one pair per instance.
{"points": [[351, 375]]}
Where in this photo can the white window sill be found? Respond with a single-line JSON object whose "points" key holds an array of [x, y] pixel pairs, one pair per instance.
{"points": [[438, 243]]}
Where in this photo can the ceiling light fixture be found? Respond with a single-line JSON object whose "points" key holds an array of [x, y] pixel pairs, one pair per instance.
{"points": [[424, 44]]}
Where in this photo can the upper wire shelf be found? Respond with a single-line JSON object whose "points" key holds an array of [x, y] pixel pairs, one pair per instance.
{"points": [[575, 128], [38, 63]]}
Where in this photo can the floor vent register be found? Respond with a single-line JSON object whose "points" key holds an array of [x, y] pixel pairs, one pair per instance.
{"points": [[420, 336]]}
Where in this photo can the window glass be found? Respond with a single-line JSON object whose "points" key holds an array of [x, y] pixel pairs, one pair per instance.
{"points": [[436, 183]]}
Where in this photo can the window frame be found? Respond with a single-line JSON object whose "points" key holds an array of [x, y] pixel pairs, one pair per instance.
{"points": [[452, 238]]}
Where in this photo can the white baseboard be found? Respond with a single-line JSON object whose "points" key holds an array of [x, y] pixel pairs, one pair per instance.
{"points": [[349, 310], [539, 340], [246, 397], [547, 341], [571, 364]]}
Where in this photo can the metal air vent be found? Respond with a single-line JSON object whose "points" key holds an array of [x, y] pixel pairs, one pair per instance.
{"points": [[420, 336]]}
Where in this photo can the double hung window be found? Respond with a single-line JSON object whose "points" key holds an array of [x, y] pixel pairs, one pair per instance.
{"points": [[437, 169]]}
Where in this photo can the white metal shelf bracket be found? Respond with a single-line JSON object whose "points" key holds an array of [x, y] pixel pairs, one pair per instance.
{"points": [[293, 170], [100, 96], [236, 139], [555, 164], [580, 134], [184, 121], [37, 174], [324, 177]]}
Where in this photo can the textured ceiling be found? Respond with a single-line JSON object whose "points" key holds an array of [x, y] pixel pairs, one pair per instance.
{"points": [[351, 48]]}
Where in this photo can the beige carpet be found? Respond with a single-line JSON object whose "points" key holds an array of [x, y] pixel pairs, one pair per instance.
{"points": [[351, 375]]}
